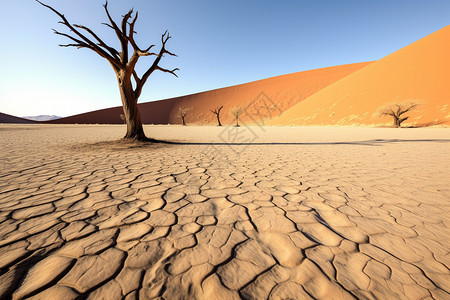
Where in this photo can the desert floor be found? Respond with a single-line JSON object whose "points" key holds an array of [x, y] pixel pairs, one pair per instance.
{"points": [[291, 212]]}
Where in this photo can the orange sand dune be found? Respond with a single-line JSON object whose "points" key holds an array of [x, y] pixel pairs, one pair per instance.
{"points": [[280, 93], [419, 71]]}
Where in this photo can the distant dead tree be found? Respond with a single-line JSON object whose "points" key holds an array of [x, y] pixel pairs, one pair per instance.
{"points": [[122, 64], [182, 113], [236, 112], [216, 111], [397, 110]]}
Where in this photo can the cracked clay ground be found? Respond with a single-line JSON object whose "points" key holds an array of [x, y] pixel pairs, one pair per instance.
{"points": [[327, 213]]}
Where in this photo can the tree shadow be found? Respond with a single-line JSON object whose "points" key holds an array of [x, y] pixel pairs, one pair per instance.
{"points": [[375, 142], [123, 145], [427, 124]]}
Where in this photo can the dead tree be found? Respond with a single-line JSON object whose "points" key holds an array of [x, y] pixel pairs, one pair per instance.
{"points": [[236, 112], [122, 62], [182, 113], [397, 110], [216, 111]]}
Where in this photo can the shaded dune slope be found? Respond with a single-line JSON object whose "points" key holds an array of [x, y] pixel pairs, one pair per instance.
{"points": [[280, 93], [5, 118]]}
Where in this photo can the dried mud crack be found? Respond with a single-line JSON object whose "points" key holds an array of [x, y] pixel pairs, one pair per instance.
{"points": [[329, 219]]}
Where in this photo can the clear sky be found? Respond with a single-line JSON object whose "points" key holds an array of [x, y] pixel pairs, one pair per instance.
{"points": [[219, 43]]}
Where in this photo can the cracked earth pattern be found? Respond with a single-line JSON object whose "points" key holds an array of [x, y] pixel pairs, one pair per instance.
{"points": [[309, 221]]}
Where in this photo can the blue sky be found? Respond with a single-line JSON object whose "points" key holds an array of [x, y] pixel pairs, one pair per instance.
{"points": [[219, 43]]}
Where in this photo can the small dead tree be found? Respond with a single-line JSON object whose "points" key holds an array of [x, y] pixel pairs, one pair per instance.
{"points": [[216, 111], [236, 112], [182, 113], [397, 110], [122, 63]]}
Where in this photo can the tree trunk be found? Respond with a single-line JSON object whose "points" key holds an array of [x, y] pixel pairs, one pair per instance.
{"points": [[218, 120], [130, 109], [396, 122], [182, 118]]}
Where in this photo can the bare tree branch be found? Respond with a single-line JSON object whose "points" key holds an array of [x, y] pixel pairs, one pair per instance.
{"points": [[79, 46], [146, 53], [216, 110], [138, 52], [125, 21], [403, 119], [170, 53], [387, 113], [136, 78], [168, 71], [92, 45], [121, 35], [164, 38], [412, 106], [132, 32], [124, 36], [183, 111], [112, 24], [72, 38], [113, 51], [109, 25]]}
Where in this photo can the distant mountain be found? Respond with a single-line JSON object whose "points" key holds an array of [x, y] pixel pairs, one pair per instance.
{"points": [[42, 118], [4, 118]]}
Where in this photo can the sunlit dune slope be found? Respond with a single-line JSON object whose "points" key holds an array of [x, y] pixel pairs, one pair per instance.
{"points": [[260, 98], [276, 93], [419, 72]]}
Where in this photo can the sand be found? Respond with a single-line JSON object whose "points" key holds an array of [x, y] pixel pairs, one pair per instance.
{"points": [[292, 212], [417, 72]]}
